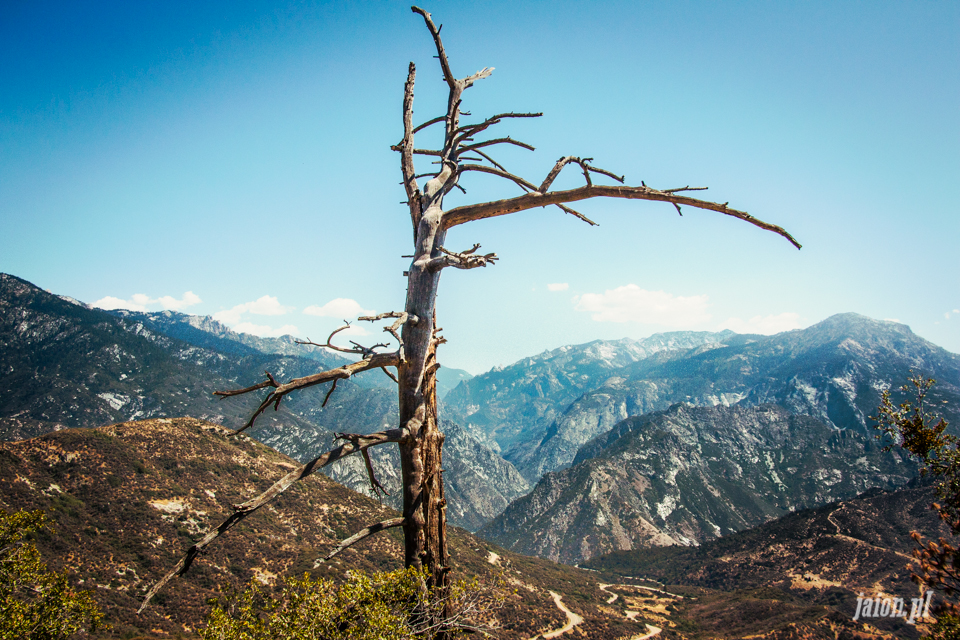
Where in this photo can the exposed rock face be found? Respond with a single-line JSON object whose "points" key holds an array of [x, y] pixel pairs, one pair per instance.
{"points": [[63, 364], [833, 371], [515, 405], [688, 475]]}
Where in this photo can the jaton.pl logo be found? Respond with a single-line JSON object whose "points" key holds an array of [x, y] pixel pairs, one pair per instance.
{"points": [[878, 607]]}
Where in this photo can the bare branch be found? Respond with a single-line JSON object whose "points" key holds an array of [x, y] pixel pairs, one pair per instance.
{"points": [[390, 375], [441, 54], [357, 349], [479, 75], [470, 130], [577, 214], [239, 392], [468, 213], [333, 388], [402, 318], [497, 172], [609, 174], [374, 483], [241, 511], [487, 143], [463, 260], [490, 160], [584, 164], [365, 533], [406, 161], [561, 163], [429, 122], [375, 361], [686, 188]]}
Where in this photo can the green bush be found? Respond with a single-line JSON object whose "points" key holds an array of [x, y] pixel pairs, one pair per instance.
{"points": [[384, 605], [36, 604]]}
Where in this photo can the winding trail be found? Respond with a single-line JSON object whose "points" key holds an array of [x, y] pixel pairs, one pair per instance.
{"points": [[858, 541], [652, 632], [572, 618], [613, 597]]}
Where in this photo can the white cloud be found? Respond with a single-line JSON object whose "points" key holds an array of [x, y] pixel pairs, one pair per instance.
{"points": [[189, 299], [110, 303], [140, 302], [265, 331], [765, 325], [558, 286], [262, 306], [630, 303], [340, 308]]}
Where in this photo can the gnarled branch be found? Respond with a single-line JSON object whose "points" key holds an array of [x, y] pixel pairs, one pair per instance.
{"points": [[468, 213], [402, 318], [375, 361], [577, 214], [441, 53], [241, 511], [487, 143], [374, 483], [584, 164], [468, 131], [365, 533], [462, 260], [406, 160]]}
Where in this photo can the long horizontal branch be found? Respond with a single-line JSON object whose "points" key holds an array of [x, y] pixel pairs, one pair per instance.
{"points": [[354, 443], [366, 533], [468, 213], [487, 143], [375, 361], [469, 130]]}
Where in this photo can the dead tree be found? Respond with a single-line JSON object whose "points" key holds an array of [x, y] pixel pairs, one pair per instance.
{"points": [[466, 148]]}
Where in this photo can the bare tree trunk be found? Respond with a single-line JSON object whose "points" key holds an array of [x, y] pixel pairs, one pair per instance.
{"points": [[424, 507]]}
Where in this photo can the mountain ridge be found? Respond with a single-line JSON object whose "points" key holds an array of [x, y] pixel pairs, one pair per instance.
{"points": [[64, 364], [690, 474]]}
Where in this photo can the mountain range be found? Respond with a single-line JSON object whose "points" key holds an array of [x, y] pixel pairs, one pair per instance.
{"points": [[63, 364], [687, 475], [541, 410], [556, 434]]}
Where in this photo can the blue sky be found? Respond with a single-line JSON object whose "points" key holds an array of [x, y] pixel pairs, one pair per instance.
{"points": [[240, 152]]}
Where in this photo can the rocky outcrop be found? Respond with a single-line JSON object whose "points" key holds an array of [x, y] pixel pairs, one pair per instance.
{"points": [[688, 475], [515, 405]]}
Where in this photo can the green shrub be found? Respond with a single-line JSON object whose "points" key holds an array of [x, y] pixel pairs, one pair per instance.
{"points": [[36, 604], [384, 605]]}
